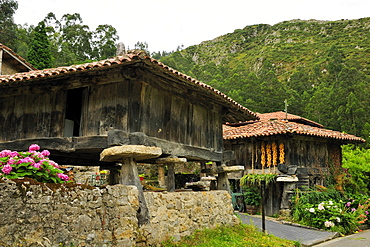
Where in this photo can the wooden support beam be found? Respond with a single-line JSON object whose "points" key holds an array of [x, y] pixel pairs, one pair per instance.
{"points": [[228, 155]]}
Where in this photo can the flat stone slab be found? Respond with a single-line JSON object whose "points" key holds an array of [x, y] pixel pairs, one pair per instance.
{"points": [[287, 179], [170, 160], [222, 169], [138, 152]]}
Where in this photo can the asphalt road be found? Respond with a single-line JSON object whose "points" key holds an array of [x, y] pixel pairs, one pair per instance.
{"points": [[306, 236]]}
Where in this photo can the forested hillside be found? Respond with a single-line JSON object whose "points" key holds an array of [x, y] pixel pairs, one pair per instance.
{"points": [[322, 69]]}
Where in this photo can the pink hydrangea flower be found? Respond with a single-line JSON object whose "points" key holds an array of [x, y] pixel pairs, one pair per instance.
{"points": [[53, 163], [63, 176], [7, 169], [34, 147], [5, 153], [45, 153], [26, 160], [37, 165], [12, 161], [13, 154]]}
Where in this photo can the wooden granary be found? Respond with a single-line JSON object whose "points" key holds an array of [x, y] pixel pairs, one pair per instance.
{"points": [[301, 151]]}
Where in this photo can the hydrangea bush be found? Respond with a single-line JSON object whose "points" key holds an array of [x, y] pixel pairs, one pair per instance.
{"points": [[339, 216], [32, 164]]}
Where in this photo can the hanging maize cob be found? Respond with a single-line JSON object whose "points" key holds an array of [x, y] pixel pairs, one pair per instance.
{"points": [[282, 153], [263, 155], [274, 154], [268, 154]]}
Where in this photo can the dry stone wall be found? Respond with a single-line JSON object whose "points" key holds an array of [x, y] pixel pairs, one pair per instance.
{"points": [[36, 215]]}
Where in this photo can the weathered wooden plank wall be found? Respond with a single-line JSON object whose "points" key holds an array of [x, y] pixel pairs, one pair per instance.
{"points": [[32, 115], [139, 107], [311, 153]]}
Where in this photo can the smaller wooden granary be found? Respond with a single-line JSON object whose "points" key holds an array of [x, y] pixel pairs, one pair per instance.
{"points": [[298, 146]]}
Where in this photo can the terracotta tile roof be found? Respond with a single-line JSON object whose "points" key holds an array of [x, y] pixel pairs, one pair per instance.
{"points": [[21, 59], [280, 115], [280, 127], [127, 59]]}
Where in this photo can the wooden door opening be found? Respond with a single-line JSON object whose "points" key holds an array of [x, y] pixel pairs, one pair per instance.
{"points": [[73, 112]]}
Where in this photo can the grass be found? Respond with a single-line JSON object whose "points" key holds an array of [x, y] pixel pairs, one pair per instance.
{"points": [[239, 235]]}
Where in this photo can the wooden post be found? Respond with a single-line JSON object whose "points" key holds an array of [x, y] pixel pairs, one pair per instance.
{"points": [[171, 177], [263, 186], [161, 177]]}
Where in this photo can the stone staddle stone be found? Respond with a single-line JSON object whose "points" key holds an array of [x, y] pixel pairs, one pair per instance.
{"points": [[233, 168], [170, 160], [138, 152]]}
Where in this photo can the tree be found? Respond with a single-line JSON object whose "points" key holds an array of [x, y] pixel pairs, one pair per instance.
{"points": [[104, 42], [39, 54], [7, 26]]}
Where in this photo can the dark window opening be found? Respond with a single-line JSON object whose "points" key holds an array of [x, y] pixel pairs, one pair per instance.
{"points": [[73, 112]]}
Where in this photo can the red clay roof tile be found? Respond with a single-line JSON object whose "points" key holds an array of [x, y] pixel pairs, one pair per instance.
{"points": [[280, 127]]}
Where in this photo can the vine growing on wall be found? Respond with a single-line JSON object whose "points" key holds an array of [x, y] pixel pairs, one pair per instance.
{"points": [[256, 179]]}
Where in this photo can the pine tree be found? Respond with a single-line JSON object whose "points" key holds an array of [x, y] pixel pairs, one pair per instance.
{"points": [[39, 54]]}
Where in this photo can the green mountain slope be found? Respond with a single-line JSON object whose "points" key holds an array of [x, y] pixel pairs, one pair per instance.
{"points": [[321, 67]]}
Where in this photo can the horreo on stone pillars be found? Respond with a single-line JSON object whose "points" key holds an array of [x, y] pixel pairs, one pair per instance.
{"points": [[170, 162], [127, 155]]}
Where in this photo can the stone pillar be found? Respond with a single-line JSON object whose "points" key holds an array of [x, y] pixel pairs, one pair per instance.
{"points": [[288, 190], [223, 182], [161, 177], [114, 175], [128, 155], [171, 177], [170, 161]]}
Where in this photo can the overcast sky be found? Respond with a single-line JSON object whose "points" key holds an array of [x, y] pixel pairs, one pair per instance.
{"points": [[166, 24]]}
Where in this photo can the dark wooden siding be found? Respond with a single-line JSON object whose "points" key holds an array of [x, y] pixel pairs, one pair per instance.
{"points": [[32, 115], [308, 152], [139, 107]]}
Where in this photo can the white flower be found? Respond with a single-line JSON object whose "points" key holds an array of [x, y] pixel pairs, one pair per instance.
{"points": [[321, 206], [312, 210], [329, 224], [330, 202], [338, 219]]}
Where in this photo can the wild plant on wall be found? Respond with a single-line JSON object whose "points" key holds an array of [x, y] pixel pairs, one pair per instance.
{"points": [[32, 164]]}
